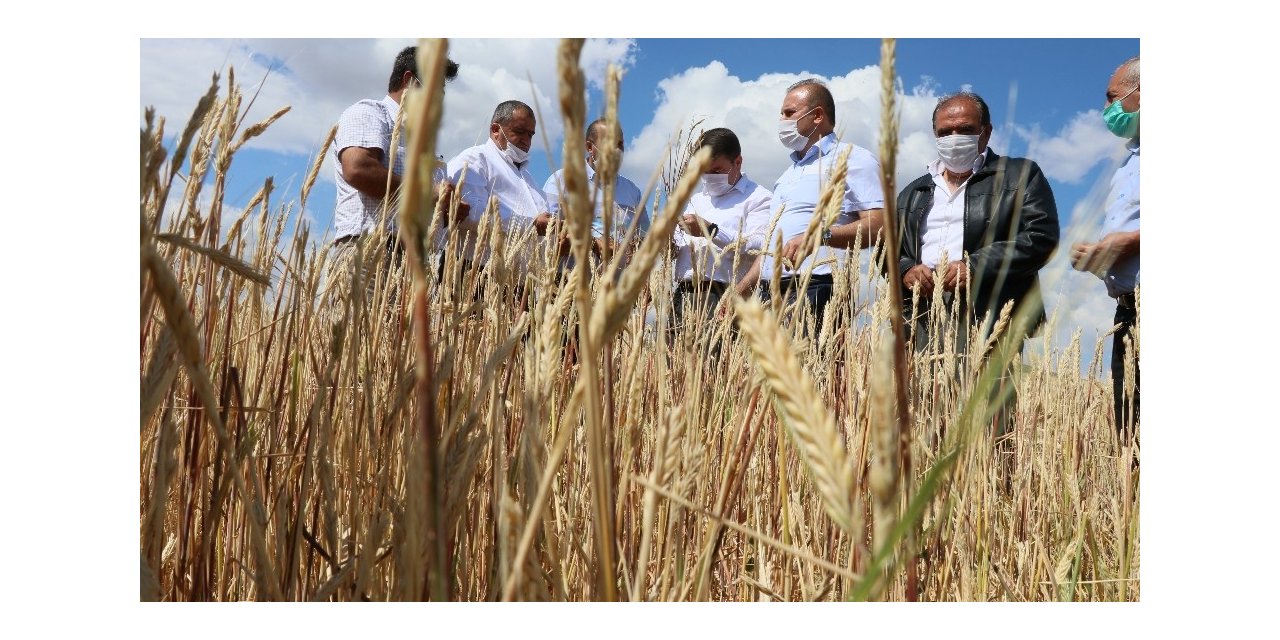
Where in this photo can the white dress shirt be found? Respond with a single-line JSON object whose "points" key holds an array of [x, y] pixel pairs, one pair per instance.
{"points": [[489, 172], [741, 215], [944, 221], [626, 200]]}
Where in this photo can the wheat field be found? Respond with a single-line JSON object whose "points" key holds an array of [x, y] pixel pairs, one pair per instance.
{"points": [[432, 430]]}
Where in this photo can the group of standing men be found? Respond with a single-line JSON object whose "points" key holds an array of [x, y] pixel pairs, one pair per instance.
{"points": [[978, 224]]}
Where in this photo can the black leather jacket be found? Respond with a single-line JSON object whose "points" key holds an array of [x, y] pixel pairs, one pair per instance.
{"points": [[1010, 230]]}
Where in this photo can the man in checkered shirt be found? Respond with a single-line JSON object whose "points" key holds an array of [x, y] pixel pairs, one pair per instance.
{"points": [[368, 173]]}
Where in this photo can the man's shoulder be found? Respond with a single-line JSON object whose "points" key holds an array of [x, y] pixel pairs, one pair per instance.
{"points": [[924, 181], [554, 181], [1011, 163], [754, 189], [623, 181], [859, 156], [469, 155], [365, 107]]}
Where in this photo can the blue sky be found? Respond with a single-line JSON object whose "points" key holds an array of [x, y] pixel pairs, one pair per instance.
{"points": [[1045, 96]]}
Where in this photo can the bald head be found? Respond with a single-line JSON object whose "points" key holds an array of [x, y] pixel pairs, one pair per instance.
{"points": [[1127, 72]]}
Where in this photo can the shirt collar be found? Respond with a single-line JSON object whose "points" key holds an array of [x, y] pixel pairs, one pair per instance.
{"points": [[822, 147], [392, 105], [743, 185], [935, 166], [591, 172]]}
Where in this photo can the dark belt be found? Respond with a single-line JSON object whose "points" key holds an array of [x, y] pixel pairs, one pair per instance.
{"points": [[393, 242], [786, 284], [1127, 301], [715, 286]]}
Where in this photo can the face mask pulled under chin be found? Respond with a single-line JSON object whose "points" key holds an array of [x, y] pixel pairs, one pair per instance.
{"points": [[716, 184], [513, 153]]}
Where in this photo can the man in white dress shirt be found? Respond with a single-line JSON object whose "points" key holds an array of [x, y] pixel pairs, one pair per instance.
{"points": [[721, 224], [626, 195], [499, 167], [807, 129]]}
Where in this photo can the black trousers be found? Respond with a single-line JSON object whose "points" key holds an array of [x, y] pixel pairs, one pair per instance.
{"points": [[1126, 408], [695, 294], [818, 292]]}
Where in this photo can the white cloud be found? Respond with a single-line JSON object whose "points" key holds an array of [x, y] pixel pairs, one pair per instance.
{"points": [[1075, 150], [321, 77]]}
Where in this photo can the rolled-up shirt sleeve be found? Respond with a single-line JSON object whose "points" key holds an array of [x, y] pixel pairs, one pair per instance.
{"points": [[863, 188]]}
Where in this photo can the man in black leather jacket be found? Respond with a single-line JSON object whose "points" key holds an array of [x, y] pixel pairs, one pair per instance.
{"points": [[988, 223]]}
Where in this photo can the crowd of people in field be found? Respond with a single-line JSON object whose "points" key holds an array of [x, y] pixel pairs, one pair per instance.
{"points": [[977, 224]]}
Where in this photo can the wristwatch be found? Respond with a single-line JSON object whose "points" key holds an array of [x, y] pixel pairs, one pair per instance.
{"points": [[826, 236], [712, 229]]}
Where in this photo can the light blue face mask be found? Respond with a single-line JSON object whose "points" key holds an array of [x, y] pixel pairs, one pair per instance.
{"points": [[1119, 121]]}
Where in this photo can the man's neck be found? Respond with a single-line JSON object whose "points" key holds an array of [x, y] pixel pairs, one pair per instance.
{"points": [[956, 179]]}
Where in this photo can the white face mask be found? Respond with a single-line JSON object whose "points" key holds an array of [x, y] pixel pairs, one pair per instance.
{"points": [[513, 153], [789, 132], [716, 184], [958, 152]]}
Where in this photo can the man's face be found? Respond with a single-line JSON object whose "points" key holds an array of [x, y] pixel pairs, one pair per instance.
{"points": [[1116, 89], [518, 131], [593, 152], [962, 117], [796, 107], [723, 165]]}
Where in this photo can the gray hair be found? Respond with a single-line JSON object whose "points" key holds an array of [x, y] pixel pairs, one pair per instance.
{"points": [[507, 110], [976, 99], [1128, 71], [819, 95]]}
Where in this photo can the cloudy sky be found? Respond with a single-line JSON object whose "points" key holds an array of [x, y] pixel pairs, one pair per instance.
{"points": [[1045, 96]]}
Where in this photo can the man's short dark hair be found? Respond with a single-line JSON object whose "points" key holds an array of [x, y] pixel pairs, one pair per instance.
{"points": [[819, 95], [507, 110], [407, 60], [967, 95], [722, 142]]}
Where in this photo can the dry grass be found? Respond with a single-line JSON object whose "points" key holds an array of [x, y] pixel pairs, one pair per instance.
{"points": [[502, 435]]}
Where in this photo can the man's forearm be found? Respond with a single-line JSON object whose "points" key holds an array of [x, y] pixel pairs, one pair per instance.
{"points": [[748, 281], [1124, 244], [864, 231]]}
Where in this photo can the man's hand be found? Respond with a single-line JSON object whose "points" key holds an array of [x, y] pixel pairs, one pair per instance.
{"points": [[1098, 257], [795, 251], [919, 275], [446, 196], [956, 277], [541, 222], [694, 224], [1082, 253]]}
